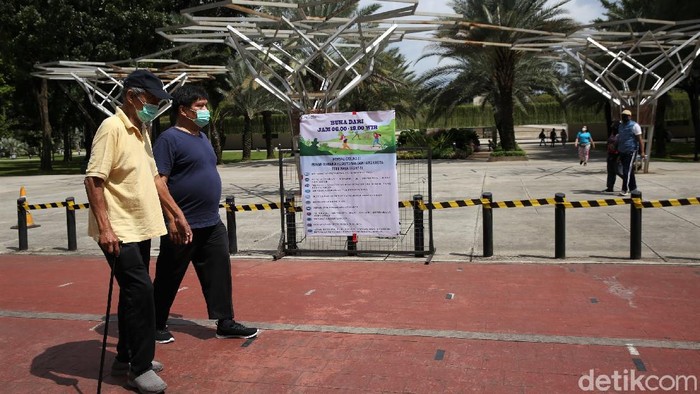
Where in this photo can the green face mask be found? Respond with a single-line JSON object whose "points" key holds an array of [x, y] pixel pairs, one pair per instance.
{"points": [[202, 118], [148, 112]]}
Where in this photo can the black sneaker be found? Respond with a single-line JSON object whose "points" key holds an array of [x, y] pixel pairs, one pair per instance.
{"points": [[164, 336], [232, 329]]}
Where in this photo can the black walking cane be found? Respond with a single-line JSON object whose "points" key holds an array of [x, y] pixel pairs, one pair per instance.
{"points": [[112, 262]]}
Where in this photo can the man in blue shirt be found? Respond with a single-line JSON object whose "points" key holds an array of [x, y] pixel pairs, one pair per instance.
{"points": [[629, 143], [187, 163]]}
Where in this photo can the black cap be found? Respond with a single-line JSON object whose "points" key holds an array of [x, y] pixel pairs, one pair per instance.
{"points": [[146, 80]]}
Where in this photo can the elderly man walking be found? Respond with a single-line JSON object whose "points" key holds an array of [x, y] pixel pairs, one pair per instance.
{"points": [[125, 195]]}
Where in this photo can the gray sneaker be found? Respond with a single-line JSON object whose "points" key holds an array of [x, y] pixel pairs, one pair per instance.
{"points": [[120, 368], [147, 383]]}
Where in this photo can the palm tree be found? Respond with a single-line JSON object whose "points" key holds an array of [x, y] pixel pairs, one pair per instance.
{"points": [[243, 96], [580, 95], [505, 77], [390, 86]]}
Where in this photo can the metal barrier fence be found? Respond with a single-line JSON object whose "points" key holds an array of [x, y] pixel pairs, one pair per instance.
{"points": [[414, 180], [415, 215]]}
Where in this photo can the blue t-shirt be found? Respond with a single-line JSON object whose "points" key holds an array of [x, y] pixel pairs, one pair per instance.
{"points": [[584, 137], [189, 162]]}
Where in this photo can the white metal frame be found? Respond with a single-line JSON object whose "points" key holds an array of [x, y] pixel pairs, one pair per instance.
{"points": [[103, 81], [630, 62]]}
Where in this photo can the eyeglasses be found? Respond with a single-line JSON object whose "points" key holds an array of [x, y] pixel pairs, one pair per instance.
{"points": [[160, 103]]}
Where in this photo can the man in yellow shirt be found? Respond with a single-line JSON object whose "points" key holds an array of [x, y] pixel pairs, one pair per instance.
{"points": [[125, 195]]}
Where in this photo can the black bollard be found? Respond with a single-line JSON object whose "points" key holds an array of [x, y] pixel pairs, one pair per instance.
{"points": [[70, 224], [559, 226], [636, 226], [231, 225], [487, 213], [352, 245], [291, 222], [22, 223], [418, 226]]}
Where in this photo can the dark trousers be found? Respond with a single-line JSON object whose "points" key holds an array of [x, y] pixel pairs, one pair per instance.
{"points": [[136, 313], [629, 183], [209, 255], [612, 170]]}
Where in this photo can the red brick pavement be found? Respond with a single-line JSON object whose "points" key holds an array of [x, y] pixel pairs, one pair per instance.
{"points": [[355, 326]]}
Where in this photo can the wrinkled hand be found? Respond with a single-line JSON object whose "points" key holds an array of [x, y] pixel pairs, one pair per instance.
{"points": [[180, 232], [109, 242]]}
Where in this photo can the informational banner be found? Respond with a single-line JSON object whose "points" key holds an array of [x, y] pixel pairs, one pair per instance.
{"points": [[348, 166]]}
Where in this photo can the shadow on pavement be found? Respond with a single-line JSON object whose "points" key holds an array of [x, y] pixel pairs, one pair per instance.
{"points": [[66, 363]]}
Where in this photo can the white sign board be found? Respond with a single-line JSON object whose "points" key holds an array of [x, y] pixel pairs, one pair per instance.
{"points": [[348, 163]]}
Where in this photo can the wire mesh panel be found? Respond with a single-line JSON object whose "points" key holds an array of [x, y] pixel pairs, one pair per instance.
{"points": [[413, 170]]}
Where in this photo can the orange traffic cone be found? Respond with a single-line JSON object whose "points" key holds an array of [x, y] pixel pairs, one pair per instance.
{"points": [[30, 220]]}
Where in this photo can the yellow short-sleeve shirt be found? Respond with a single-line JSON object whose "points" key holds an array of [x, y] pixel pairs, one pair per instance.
{"points": [[123, 158]]}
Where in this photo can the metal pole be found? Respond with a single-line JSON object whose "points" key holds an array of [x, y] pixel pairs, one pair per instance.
{"points": [[231, 225], [636, 226], [431, 243], [487, 212], [559, 226], [418, 226], [22, 223], [283, 211], [291, 222], [70, 224]]}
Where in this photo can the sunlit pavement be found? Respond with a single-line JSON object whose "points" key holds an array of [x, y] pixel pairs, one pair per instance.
{"points": [[369, 326]]}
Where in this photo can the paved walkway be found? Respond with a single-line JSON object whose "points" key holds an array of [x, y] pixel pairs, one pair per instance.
{"points": [[354, 326], [669, 235], [520, 322]]}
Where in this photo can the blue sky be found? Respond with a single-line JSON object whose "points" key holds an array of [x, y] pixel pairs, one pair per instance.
{"points": [[583, 11]]}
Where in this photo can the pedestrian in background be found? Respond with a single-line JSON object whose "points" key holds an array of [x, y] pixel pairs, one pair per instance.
{"points": [[553, 137], [612, 158], [629, 144], [564, 137], [543, 138], [584, 143]]}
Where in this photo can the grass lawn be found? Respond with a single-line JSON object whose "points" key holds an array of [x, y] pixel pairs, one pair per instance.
{"points": [[24, 166], [234, 156], [677, 151]]}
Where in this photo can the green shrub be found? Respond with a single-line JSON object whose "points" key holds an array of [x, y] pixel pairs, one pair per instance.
{"points": [[445, 144]]}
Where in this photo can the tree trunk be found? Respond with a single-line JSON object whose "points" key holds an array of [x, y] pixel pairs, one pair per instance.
{"points": [[267, 126], [89, 129], [660, 126], [42, 99], [67, 144], [247, 137], [505, 75], [506, 128], [215, 141], [608, 117]]}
